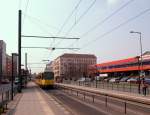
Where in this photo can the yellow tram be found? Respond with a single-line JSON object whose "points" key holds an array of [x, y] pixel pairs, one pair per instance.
{"points": [[45, 79]]}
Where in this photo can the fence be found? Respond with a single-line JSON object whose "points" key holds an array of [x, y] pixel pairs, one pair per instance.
{"points": [[87, 92], [124, 86], [5, 95]]}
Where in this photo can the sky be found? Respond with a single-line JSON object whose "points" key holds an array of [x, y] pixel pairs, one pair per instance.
{"points": [[103, 27]]}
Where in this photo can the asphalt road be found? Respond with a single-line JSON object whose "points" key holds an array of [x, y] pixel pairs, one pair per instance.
{"points": [[77, 105]]}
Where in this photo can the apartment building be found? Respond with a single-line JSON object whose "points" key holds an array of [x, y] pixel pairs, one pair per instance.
{"points": [[2, 59], [72, 66]]}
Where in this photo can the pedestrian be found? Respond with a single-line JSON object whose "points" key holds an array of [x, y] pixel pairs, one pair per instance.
{"points": [[144, 86]]}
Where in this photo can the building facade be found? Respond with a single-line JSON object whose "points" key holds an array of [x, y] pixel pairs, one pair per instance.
{"points": [[15, 64], [2, 60], [72, 66], [49, 67], [125, 67], [8, 66]]}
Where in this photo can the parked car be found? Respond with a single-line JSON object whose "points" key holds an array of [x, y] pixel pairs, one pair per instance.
{"points": [[124, 79], [5, 81], [83, 79], [132, 80], [147, 80], [118, 79], [16, 80], [100, 78], [114, 80], [107, 79]]}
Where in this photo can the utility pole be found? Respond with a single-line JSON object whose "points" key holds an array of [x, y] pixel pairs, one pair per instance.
{"points": [[31, 36], [139, 84], [19, 52], [26, 70], [12, 77], [141, 73], [26, 61]]}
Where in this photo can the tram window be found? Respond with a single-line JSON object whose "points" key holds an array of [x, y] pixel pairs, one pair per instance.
{"points": [[48, 75]]}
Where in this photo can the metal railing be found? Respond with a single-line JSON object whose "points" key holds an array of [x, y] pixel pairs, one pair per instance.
{"points": [[122, 86], [89, 92], [5, 95]]}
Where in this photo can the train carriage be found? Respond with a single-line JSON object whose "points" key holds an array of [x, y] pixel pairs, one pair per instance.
{"points": [[45, 79]]}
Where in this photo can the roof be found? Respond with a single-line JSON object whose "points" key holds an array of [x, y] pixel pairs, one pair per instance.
{"points": [[118, 62], [78, 55], [146, 53], [145, 56]]}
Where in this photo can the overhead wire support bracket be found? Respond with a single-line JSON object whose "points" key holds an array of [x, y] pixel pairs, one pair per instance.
{"points": [[36, 63], [51, 48], [47, 37]]}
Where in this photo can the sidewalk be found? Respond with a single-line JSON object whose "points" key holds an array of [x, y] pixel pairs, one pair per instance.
{"points": [[32, 103]]}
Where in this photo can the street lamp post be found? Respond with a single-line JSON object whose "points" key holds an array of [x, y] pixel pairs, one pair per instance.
{"points": [[141, 51], [12, 78], [96, 74], [138, 57]]}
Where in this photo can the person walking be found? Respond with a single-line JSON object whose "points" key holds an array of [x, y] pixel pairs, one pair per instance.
{"points": [[144, 86]]}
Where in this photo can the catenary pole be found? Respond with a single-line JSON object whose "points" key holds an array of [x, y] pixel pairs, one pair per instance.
{"points": [[19, 52]]}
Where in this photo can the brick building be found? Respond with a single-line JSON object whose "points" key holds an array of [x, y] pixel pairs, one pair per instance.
{"points": [[2, 60], [8, 66], [49, 67], [72, 66], [15, 62]]}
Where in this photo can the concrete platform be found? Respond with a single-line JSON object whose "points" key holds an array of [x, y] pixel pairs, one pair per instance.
{"points": [[111, 93], [34, 101]]}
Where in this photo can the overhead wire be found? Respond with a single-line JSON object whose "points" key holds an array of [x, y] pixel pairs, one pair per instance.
{"points": [[104, 20], [36, 67], [115, 28], [68, 18], [20, 3], [25, 12], [39, 26], [79, 19], [66, 21], [41, 22]]}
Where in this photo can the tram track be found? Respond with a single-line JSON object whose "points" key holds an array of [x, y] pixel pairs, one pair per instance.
{"points": [[77, 105]]}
